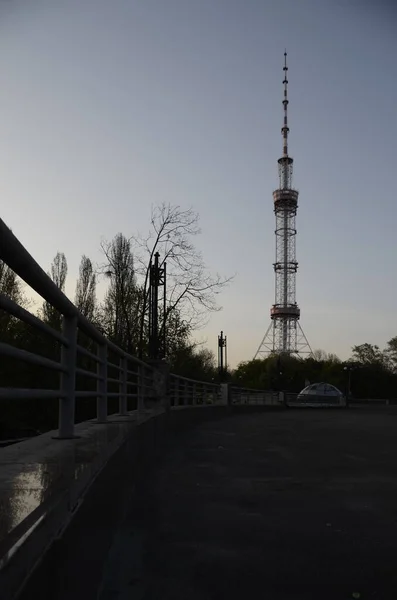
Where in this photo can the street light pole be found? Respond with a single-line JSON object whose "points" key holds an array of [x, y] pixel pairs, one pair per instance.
{"points": [[348, 369], [222, 355]]}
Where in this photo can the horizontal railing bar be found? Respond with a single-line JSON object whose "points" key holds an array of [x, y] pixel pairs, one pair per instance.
{"points": [[134, 373], [114, 366], [87, 353], [21, 393], [147, 381], [24, 315], [15, 255], [91, 374], [129, 357], [252, 393], [117, 394], [188, 380], [114, 380], [251, 390], [249, 393], [34, 359], [86, 394], [89, 394], [191, 391]]}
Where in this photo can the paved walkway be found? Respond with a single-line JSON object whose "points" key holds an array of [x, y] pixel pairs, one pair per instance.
{"points": [[297, 504]]}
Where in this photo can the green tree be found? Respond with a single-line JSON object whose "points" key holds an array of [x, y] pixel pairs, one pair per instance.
{"points": [[119, 314], [58, 274], [290, 373], [12, 287], [177, 334], [373, 376], [85, 298], [323, 356], [391, 353], [368, 354], [194, 362]]}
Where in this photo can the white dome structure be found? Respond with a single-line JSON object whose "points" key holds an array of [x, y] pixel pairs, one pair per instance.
{"points": [[320, 394]]}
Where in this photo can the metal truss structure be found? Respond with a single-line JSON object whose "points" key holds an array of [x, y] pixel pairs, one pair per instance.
{"points": [[285, 335]]}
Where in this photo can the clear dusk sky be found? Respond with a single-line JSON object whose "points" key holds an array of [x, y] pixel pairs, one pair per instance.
{"points": [[110, 106]]}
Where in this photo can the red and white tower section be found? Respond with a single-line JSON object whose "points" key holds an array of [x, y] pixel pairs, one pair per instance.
{"points": [[284, 334]]}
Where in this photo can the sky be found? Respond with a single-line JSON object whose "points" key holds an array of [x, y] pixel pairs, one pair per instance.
{"points": [[108, 107]]}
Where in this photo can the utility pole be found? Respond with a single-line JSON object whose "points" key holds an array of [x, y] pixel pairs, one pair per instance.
{"points": [[222, 355], [157, 279]]}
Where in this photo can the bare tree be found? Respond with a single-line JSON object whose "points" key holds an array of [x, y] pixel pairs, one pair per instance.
{"points": [[120, 310], [59, 271], [85, 298], [191, 288]]}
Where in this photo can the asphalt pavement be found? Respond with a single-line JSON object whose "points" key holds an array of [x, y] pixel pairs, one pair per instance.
{"points": [[278, 505]]}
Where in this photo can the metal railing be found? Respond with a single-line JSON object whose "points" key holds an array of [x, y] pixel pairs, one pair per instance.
{"points": [[133, 378], [190, 392], [241, 395], [113, 374]]}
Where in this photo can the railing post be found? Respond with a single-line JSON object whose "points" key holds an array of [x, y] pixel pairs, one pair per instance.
{"points": [[226, 394], [214, 394], [176, 390], [123, 387], [197, 393], [166, 386], [140, 388], [194, 392], [185, 393], [160, 388], [68, 379], [202, 393], [102, 384]]}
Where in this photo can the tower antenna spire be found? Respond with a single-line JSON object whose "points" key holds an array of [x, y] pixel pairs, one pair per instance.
{"points": [[285, 335], [285, 129]]}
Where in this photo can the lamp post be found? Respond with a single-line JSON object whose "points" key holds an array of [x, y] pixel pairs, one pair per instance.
{"points": [[222, 356], [348, 369]]}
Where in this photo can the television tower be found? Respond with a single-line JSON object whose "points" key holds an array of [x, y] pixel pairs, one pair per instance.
{"points": [[284, 334]]}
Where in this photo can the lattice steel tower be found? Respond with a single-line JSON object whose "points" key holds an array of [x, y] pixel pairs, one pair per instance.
{"points": [[284, 334]]}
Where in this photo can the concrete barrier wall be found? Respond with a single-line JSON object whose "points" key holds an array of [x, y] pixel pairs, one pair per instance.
{"points": [[64, 556], [47, 482]]}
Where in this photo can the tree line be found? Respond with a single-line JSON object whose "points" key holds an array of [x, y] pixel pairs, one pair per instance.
{"points": [[371, 372], [122, 314]]}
